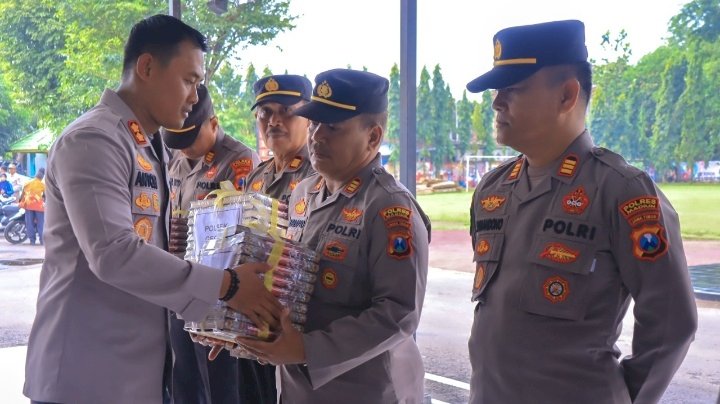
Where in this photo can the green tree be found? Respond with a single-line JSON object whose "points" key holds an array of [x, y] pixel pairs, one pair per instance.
{"points": [[232, 107], [62, 59], [697, 20], [667, 125], [15, 120], [393, 127], [245, 23], [441, 121], [482, 125], [464, 124], [424, 112]]}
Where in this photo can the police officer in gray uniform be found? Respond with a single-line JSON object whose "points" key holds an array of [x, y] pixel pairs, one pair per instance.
{"points": [[276, 98], [564, 237], [204, 157], [373, 239], [100, 331]]}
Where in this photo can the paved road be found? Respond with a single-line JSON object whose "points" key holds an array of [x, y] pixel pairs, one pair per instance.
{"points": [[442, 336]]}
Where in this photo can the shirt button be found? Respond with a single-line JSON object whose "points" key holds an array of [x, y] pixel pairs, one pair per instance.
{"points": [[598, 151], [377, 170]]}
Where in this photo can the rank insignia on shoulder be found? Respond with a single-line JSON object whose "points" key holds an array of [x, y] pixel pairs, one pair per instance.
{"points": [[292, 185], [568, 166], [399, 244], [143, 228], [649, 242], [256, 185], [353, 186], [335, 250], [492, 202], [319, 185], [482, 247], [144, 164], [352, 215], [556, 289], [479, 275], [209, 157], [329, 278], [137, 134], [560, 253], [300, 207], [515, 172], [210, 174], [576, 201], [296, 162]]}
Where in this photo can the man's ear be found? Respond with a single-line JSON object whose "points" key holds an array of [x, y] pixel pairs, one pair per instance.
{"points": [[214, 123], [144, 65], [569, 95], [376, 136]]}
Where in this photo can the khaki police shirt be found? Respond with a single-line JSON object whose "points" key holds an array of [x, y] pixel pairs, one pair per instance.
{"points": [[265, 180], [556, 268], [229, 160], [99, 335], [373, 240]]}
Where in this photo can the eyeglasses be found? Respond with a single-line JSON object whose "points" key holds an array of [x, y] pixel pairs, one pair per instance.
{"points": [[282, 112]]}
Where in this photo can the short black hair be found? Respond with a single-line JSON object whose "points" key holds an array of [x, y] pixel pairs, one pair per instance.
{"points": [[160, 36], [582, 71]]}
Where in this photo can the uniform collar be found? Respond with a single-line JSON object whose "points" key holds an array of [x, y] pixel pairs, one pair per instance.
{"points": [[358, 181], [300, 159], [130, 122]]}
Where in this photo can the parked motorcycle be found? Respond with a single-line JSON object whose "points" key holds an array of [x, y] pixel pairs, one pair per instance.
{"points": [[8, 208], [15, 231]]}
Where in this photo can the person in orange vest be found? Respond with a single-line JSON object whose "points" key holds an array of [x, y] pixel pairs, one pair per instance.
{"points": [[32, 199]]}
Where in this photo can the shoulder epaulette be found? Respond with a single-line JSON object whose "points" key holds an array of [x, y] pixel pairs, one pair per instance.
{"points": [[616, 162]]}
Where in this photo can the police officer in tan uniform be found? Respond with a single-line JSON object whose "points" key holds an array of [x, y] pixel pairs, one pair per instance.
{"points": [[204, 157], [100, 331], [373, 239], [276, 98], [565, 236]]}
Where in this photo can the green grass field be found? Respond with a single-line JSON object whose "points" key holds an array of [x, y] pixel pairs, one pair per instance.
{"points": [[697, 204]]}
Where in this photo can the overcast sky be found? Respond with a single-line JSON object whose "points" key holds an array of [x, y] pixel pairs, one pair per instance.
{"points": [[457, 34]]}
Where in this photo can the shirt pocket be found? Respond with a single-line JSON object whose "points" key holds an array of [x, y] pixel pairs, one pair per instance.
{"points": [[557, 280], [487, 253], [339, 260]]}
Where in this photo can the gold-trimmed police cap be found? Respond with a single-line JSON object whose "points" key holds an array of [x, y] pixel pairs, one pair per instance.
{"points": [[285, 89], [341, 94], [519, 52], [184, 137]]}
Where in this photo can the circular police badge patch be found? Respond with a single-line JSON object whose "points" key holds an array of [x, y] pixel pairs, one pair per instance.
{"points": [[329, 278], [143, 228], [556, 289]]}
